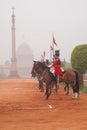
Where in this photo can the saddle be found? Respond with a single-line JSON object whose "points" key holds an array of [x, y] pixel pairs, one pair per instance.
{"points": [[52, 69]]}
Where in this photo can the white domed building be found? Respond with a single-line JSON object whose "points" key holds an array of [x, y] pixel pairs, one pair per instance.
{"points": [[24, 60]]}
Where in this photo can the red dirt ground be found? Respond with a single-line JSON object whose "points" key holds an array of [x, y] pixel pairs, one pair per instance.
{"points": [[23, 107]]}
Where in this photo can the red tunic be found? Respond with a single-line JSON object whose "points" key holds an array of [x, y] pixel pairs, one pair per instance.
{"points": [[56, 65]]}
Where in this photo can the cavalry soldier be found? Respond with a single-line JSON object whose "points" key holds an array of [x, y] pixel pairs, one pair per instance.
{"points": [[56, 64]]}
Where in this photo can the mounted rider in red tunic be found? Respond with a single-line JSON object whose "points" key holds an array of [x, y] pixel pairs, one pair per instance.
{"points": [[56, 64], [57, 68]]}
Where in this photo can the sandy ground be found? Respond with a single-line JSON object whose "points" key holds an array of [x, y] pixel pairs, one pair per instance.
{"points": [[23, 107]]}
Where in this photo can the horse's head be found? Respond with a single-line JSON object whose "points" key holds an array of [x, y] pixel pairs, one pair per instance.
{"points": [[38, 68], [35, 68], [33, 71], [33, 74]]}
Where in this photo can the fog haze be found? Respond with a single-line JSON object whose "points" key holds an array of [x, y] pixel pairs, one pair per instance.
{"points": [[36, 20]]}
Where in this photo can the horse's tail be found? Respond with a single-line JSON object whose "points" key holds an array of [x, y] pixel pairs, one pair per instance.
{"points": [[77, 82]]}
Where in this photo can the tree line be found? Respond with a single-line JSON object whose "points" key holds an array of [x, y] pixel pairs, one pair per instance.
{"points": [[79, 60]]}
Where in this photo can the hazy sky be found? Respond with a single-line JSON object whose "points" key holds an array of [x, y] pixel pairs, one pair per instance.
{"points": [[35, 22]]}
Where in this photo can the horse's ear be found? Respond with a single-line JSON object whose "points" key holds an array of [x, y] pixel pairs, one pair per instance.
{"points": [[34, 61]]}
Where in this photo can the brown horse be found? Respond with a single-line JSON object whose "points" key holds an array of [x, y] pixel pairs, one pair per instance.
{"points": [[69, 77], [39, 77], [44, 76]]}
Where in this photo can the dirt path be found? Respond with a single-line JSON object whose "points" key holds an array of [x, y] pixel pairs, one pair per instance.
{"points": [[23, 107]]}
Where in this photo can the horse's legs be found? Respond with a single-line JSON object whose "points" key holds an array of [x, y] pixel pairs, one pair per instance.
{"points": [[76, 94], [66, 88], [57, 87], [54, 85], [48, 90], [76, 86], [41, 86], [47, 94]]}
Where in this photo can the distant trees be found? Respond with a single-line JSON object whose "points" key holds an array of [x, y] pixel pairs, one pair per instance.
{"points": [[79, 60]]}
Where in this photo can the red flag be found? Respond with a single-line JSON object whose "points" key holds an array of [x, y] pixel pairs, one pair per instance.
{"points": [[54, 41], [43, 54], [51, 48], [42, 58]]}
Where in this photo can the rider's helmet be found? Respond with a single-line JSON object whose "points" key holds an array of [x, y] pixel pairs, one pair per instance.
{"points": [[57, 52]]}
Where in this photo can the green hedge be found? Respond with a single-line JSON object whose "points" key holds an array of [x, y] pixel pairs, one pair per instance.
{"points": [[84, 90]]}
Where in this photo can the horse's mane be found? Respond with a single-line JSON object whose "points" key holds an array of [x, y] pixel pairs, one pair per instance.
{"points": [[42, 65]]}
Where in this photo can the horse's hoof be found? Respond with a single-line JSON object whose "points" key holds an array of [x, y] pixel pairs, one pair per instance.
{"points": [[46, 98], [75, 98], [41, 90]]}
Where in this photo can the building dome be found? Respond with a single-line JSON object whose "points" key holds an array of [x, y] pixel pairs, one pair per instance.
{"points": [[24, 49], [24, 60]]}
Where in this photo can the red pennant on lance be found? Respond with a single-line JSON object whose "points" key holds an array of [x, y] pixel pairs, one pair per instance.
{"points": [[51, 48], [54, 41], [42, 58], [43, 54]]}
